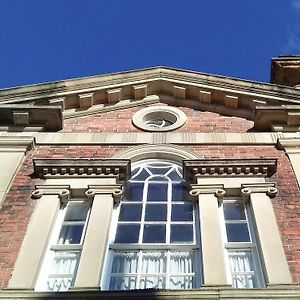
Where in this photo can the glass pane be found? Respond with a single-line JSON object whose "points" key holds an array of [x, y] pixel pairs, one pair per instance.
{"points": [[181, 282], [59, 284], [154, 233], [65, 262], [118, 283], [157, 192], [152, 282], [63, 269], [181, 262], [127, 233], [77, 211], [181, 233], [243, 281], [140, 176], [154, 262], [156, 212], [159, 170], [182, 212], [70, 234], [241, 261], [175, 176], [130, 212], [135, 192], [237, 232], [234, 211], [178, 192], [125, 262]]}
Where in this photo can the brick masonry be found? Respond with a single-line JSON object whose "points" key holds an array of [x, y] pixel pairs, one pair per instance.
{"points": [[120, 121], [17, 209]]}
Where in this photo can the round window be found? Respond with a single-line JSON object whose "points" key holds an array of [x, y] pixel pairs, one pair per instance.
{"points": [[159, 118]]}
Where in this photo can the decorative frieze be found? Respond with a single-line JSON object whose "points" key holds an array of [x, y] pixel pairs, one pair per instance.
{"points": [[82, 168], [228, 167]]}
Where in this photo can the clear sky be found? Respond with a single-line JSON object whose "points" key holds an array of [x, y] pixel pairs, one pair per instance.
{"points": [[50, 40]]}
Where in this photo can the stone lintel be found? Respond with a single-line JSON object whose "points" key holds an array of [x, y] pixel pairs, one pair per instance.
{"points": [[82, 167], [229, 167], [19, 115]]}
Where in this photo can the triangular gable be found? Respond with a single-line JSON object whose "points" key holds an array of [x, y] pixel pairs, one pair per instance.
{"points": [[204, 92]]}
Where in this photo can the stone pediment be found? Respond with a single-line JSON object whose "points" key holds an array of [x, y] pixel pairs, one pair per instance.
{"points": [[88, 96]]}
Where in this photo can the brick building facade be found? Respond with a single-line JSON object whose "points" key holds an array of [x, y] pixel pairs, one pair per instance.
{"points": [[75, 222]]}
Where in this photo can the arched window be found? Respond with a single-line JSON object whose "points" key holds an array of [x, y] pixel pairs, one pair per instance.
{"points": [[154, 242]]}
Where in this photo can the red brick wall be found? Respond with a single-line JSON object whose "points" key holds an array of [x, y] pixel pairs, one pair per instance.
{"points": [[120, 121], [18, 206]]}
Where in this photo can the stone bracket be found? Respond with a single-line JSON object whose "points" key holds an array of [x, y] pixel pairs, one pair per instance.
{"points": [[27, 115], [114, 189], [267, 188]]}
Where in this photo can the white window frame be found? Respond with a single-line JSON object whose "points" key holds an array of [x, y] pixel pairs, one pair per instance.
{"points": [[167, 247], [251, 246], [54, 247]]}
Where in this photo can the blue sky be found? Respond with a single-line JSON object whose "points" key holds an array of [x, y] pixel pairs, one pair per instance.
{"points": [[50, 40]]}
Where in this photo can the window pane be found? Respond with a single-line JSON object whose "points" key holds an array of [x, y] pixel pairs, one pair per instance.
{"points": [[127, 233], [135, 192], [125, 262], [237, 232], [182, 212], [159, 170], [181, 282], [181, 262], [130, 212], [178, 192], [154, 233], [242, 269], [118, 283], [140, 176], [77, 211], [63, 269], [181, 233], [152, 282], [70, 234], [156, 212], [157, 192], [175, 176], [154, 262], [234, 211]]}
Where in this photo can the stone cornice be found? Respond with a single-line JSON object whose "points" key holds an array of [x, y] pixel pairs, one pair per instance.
{"points": [[228, 167], [16, 143], [290, 144], [82, 168], [20, 115], [139, 77], [88, 96], [277, 118]]}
